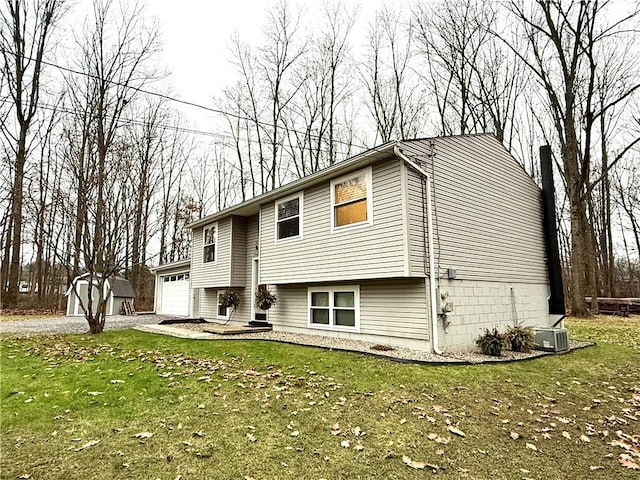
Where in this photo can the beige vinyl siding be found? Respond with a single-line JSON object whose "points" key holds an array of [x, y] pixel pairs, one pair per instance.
{"points": [[243, 313], [370, 251], [417, 228], [487, 211], [212, 274], [388, 308], [239, 252], [396, 309], [209, 303]]}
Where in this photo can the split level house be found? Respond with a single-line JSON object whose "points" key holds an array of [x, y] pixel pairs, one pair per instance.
{"points": [[421, 243]]}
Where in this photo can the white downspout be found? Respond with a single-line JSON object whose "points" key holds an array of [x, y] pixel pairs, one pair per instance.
{"points": [[432, 267]]}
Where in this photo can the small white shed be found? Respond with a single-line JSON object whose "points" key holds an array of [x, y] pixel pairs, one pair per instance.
{"points": [[118, 289], [172, 291]]}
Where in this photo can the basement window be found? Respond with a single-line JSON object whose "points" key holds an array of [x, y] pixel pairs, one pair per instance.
{"points": [[334, 308]]}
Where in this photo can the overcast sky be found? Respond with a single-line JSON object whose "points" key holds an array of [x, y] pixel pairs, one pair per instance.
{"points": [[196, 36]]}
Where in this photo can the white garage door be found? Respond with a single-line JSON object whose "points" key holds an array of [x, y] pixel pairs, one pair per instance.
{"points": [[175, 294]]}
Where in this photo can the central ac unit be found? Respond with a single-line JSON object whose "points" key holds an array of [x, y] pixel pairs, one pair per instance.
{"points": [[551, 339]]}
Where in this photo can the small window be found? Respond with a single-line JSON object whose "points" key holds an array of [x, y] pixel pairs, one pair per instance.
{"points": [[180, 277], [223, 312], [173, 278], [334, 307], [289, 218], [186, 276], [166, 279], [209, 240], [351, 200]]}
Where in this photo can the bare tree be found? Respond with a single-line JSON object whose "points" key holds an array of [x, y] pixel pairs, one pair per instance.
{"points": [[114, 51], [561, 36], [278, 56], [396, 104], [24, 38]]}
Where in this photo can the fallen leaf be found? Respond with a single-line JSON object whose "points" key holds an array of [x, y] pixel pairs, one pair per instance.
{"points": [[595, 467], [566, 435], [295, 433], [514, 435], [417, 465], [87, 445], [143, 435], [456, 431], [627, 462], [94, 394], [356, 431], [114, 382], [345, 444], [335, 430], [585, 439], [440, 451], [359, 447], [531, 446], [251, 437], [403, 421]]}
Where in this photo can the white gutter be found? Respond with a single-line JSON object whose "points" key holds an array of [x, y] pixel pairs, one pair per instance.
{"points": [[432, 267]]}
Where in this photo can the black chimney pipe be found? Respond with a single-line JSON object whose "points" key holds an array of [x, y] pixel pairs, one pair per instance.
{"points": [[556, 300]]}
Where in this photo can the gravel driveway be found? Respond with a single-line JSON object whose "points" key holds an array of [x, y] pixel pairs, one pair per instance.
{"points": [[49, 325]]}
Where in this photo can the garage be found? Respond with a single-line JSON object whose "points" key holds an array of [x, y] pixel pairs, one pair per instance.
{"points": [[172, 289], [175, 294]]}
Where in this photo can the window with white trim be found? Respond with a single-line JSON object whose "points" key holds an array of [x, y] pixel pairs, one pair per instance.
{"points": [[289, 217], [351, 200], [223, 312], [336, 308], [209, 240]]}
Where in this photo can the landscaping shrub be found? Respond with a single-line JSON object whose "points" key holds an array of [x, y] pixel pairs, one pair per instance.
{"points": [[491, 342], [521, 339]]}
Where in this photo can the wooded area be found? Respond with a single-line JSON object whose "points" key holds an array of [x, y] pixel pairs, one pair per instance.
{"points": [[100, 172]]}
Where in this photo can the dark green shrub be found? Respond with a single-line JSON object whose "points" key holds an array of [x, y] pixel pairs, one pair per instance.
{"points": [[491, 342], [520, 338]]}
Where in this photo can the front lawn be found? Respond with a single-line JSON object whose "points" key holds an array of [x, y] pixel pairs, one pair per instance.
{"points": [[128, 404]]}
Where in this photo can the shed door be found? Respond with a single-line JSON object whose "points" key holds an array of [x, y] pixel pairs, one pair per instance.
{"points": [[175, 294]]}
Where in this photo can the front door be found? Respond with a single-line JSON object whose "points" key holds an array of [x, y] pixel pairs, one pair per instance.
{"points": [[256, 313]]}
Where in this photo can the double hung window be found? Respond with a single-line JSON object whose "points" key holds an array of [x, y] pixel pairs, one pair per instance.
{"points": [[334, 307], [351, 200], [289, 218], [209, 240]]}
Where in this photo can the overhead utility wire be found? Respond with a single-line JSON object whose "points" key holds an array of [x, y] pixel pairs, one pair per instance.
{"points": [[177, 100], [130, 121]]}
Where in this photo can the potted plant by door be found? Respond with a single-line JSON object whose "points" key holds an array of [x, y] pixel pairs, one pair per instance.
{"points": [[230, 298], [264, 298]]}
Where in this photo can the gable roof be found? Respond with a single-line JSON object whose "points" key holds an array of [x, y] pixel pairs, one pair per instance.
{"points": [[252, 206]]}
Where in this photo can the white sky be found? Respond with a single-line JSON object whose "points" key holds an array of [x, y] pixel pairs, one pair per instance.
{"points": [[196, 36]]}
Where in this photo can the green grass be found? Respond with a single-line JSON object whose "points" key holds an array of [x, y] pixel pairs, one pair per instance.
{"points": [[263, 410]]}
